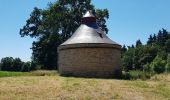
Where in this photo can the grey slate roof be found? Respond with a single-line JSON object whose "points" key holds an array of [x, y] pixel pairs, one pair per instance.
{"points": [[89, 33]]}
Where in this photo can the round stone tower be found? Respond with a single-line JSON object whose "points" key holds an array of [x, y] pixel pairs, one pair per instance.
{"points": [[89, 52]]}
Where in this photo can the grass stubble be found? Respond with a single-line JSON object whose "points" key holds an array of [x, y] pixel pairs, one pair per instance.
{"points": [[45, 85]]}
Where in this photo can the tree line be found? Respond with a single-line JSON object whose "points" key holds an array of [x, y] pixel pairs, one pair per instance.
{"points": [[152, 57], [16, 64]]}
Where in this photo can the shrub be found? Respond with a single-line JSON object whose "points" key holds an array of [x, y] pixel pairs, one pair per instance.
{"points": [[168, 64], [158, 65], [147, 68], [136, 74]]}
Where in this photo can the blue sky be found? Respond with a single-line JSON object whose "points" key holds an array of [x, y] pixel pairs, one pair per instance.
{"points": [[129, 20]]}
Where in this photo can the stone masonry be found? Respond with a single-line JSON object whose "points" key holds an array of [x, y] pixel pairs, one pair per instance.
{"points": [[86, 61]]}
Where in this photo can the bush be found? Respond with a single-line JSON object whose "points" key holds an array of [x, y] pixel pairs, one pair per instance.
{"points": [[158, 65], [168, 64], [147, 68], [136, 74]]}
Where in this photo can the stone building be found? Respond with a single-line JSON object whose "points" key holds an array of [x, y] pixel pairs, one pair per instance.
{"points": [[89, 52]]}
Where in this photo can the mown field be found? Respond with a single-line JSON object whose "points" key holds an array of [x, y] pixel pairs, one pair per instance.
{"points": [[45, 85]]}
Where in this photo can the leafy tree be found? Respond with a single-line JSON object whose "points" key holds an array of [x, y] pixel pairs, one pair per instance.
{"points": [[147, 68], [150, 58], [54, 25], [0, 66], [7, 64], [17, 64], [146, 55], [127, 60], [33, 66], [167, 45], [168, 64], [158, 64], [26, 67]]}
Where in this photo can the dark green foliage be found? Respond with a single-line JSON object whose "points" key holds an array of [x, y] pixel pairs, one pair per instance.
{"points": [[168, 63], [15, 64], [123, 49], [26, 67], [7, 64], [127, 60], [33, 66], [167, 45], [150, 40], [136, 58], [150, 58], [136, 74], [158, 65], [147, 68], [54, 25], [138, 43]]}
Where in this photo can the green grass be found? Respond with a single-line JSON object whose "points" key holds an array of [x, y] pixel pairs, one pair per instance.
{"points": [[9, 74], [163, 90], [48, 85], [33, 73]]}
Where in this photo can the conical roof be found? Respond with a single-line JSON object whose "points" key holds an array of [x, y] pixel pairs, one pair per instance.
{"points": [[89, 32], [88, 14]]}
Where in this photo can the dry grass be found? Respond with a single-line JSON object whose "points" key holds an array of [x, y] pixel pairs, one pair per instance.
{"points": [[69, 88]]}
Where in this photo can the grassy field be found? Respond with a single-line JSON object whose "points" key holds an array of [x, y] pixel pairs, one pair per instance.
{"points": [[33, 73], [44, 85]]}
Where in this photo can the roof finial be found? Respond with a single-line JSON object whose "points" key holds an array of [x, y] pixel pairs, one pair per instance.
{"points": [[89, 14], [88, 18]]}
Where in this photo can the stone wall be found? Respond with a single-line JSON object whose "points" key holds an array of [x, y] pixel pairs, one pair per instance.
{"points": [[89, 62]]}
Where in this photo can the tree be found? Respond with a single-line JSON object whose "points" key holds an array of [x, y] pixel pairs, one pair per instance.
{"points": [[150, 40], [138, 43], [7, 64], [164, 35], [54, 25], [127, 59], [168, 64], [17, 64], [159, 38], [124, 49], [154, 38], [151, 57], [26, 67], [147, 68], [167, 45], [0, 66], [158, 64]]}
